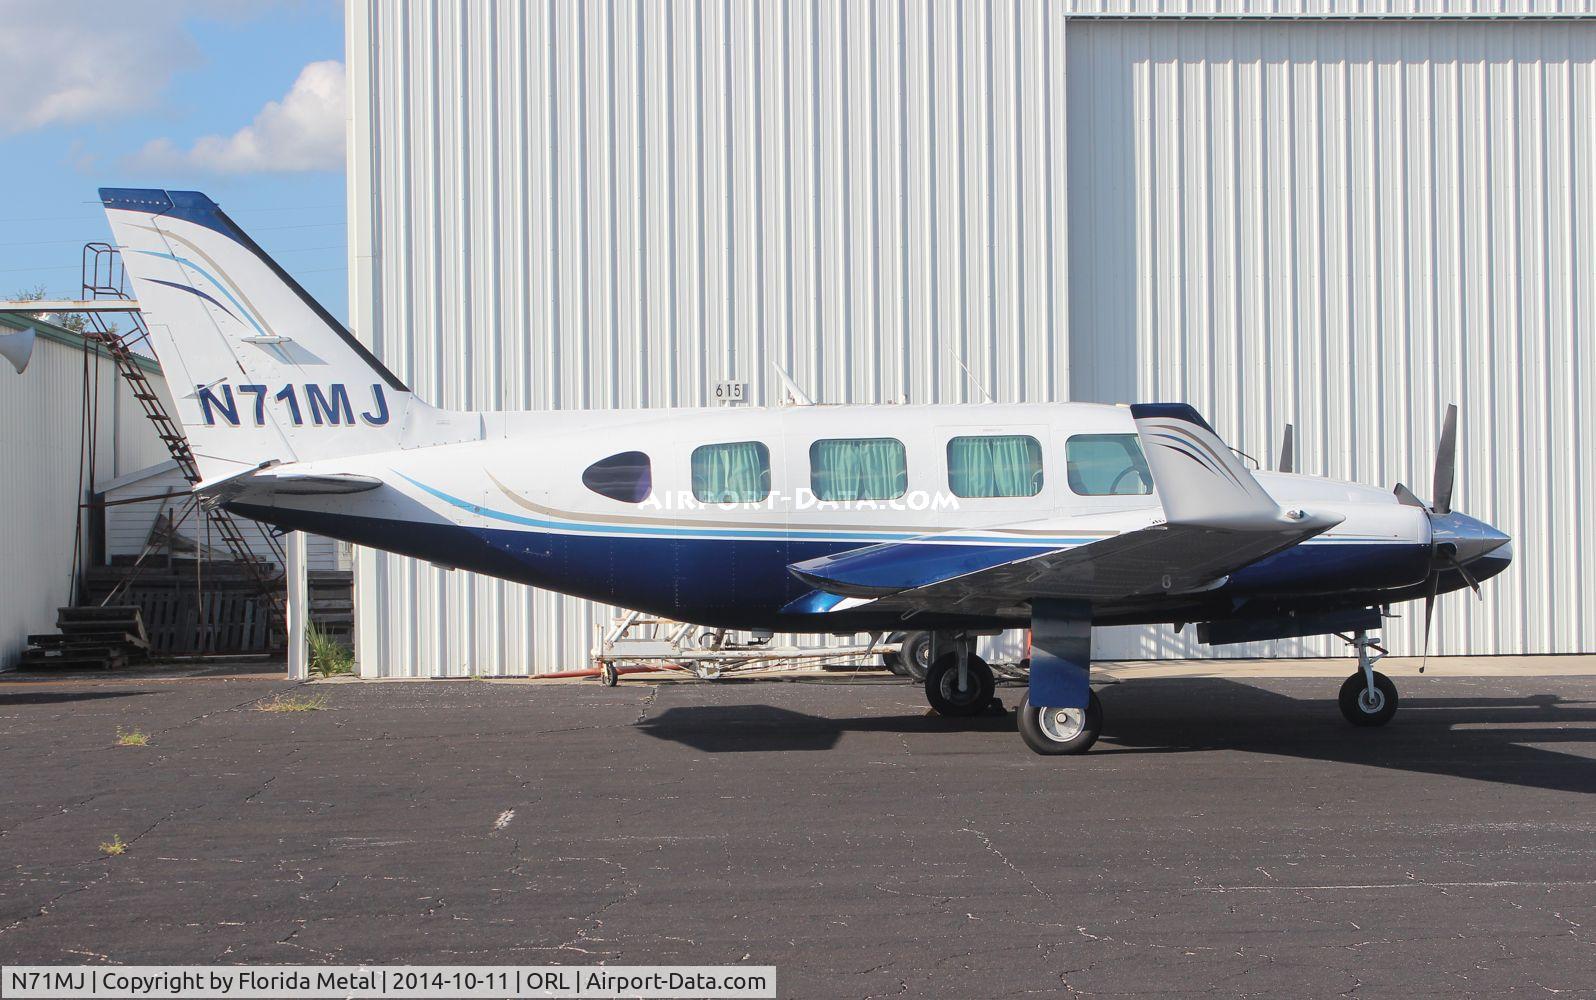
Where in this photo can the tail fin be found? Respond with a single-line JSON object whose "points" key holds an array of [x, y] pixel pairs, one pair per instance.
{"points": [[259, 371]]}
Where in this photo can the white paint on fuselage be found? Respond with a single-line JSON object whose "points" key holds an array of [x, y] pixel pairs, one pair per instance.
{"points": [[525, 473]]}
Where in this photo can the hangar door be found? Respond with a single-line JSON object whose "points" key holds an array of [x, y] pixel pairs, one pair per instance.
{"points": [[1346, 225]]}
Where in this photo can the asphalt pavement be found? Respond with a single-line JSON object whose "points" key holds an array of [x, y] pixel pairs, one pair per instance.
{"points": [[1225, 838]]}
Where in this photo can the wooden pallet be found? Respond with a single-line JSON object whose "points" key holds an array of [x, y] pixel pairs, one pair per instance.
{"points": [[225, 613], [91, 638]]}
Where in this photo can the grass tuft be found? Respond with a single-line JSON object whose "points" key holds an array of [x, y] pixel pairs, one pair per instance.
{"points": [[114, 848], [293, 703], [132, 737], [328, 656]]}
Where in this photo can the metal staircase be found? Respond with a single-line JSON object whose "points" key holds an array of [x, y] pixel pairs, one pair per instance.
{"points": [[103, 278]]}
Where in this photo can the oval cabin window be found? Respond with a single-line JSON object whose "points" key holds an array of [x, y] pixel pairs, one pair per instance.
{"points": [[626, 477]]}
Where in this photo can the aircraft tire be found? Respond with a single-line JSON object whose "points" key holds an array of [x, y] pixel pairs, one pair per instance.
{"points": [[915, 655], [893, 659], [1355, 704], [942, 681], [1049, 732]]}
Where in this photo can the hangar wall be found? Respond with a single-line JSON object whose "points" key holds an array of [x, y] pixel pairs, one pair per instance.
{"points": [[618, 204], [42, 410], [1347, 226]]}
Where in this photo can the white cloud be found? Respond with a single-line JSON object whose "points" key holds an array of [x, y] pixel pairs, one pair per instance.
{"points": [[65, 61], [303, 131]]}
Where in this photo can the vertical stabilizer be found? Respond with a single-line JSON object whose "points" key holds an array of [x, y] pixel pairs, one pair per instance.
{"points": [[259, 371]]}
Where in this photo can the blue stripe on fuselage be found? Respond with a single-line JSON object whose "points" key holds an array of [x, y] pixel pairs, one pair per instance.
{"points": [[744, 583]]}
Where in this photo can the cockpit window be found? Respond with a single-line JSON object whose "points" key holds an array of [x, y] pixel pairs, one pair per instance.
{"points": [[1107, 465], [626, 477]]}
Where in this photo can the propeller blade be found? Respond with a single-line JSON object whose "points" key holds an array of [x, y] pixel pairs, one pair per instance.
{"points": [[1445, 463], [1468, 577], [1405, 496], [1286, 456]]}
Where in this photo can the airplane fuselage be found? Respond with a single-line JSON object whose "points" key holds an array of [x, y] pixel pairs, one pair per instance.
{"points": [[696, 514]]}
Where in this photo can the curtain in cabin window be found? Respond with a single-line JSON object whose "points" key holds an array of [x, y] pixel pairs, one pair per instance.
{"points": [[858, 469], [998, 465], [738, 472]]}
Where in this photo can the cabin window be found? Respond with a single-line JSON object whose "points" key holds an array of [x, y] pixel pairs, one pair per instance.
{"points": [[858, 469], [997, 465], [626, 477], [737, 472], [1107, 465]]}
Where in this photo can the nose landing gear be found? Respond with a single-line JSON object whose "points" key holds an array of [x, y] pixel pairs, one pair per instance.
{"points": [[1368, 698]]}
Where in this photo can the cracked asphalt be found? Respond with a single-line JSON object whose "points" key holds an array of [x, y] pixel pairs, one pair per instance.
{"points": [[1225, 838]]}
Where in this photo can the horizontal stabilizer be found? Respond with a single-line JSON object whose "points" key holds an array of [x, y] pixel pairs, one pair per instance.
{"points": [[262, 485]]}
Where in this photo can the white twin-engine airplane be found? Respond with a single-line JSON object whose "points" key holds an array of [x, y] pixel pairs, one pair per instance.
{"points": [[959, 520]]}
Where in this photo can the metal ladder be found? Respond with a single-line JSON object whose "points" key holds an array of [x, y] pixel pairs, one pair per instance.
{"points": [[103, 278]]}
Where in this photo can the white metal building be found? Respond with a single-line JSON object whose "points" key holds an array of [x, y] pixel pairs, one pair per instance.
{"points": [[41, 411], [1342, 215]]}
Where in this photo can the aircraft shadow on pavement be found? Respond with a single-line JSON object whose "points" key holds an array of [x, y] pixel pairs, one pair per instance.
{"points": [[764, 728], [60, 697], [1500, 739]]}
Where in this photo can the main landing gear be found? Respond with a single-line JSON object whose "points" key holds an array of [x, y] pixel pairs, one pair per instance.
{"points": [[958, 684], [1368, 698], [1059, 714]]}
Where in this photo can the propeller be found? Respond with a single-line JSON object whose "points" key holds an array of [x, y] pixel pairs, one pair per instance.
{"points": [[1286, 456], [1443, 556], [1445, 463]]}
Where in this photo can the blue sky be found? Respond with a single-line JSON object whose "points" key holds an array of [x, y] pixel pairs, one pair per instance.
{"points": [[213, 96]]}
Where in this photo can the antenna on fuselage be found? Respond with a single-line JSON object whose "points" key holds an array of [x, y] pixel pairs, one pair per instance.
{"points": [[799, 397], [960, 362], [1287, 458]]}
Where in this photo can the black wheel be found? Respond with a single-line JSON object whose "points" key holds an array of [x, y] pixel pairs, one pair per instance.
{"points": [[915, 654], [1363, 710], [1056, 731], [942, 686], [608, 675], [893, 659]]}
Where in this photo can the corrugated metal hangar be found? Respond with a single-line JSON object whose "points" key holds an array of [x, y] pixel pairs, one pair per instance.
{"points": [[1338, 215], [47, 454]]}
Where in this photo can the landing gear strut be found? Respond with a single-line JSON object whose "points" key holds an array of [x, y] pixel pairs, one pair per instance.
{"points": [[958, 684], [1368, 698], [1060, 713]]}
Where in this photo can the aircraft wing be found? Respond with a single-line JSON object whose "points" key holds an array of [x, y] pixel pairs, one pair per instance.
{"points": [[1217, 519]]}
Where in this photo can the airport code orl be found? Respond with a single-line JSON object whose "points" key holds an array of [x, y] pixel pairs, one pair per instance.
{"points": [[322, 406], [665, 982]]}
